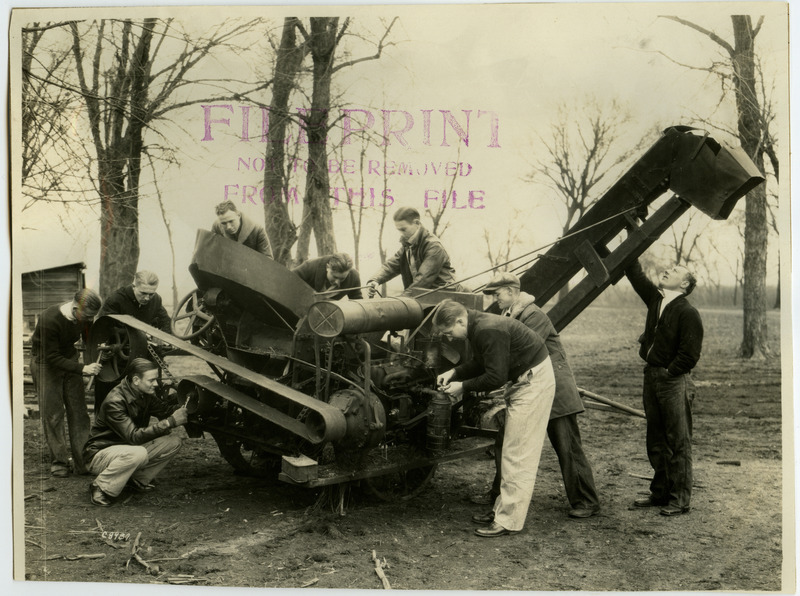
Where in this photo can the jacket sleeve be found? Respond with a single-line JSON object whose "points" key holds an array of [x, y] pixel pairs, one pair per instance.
{"points": [[494, 347], [647, 290], [390, 269], [121, 423], [690, 342], [263, 246], [111, 306], [53, 357], [162, 320], [305, 272], [354, 281], [428, 270]]}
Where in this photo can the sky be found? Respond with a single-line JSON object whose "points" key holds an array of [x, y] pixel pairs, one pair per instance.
{"points": [[510, 67]]}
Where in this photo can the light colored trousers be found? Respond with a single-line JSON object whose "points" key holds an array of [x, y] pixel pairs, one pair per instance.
{"points": [[528, 403], [115, 465]]}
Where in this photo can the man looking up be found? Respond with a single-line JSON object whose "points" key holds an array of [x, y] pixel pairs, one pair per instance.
{"points": [[57, 378], [670, 346], [123, 447], [505, 354], [562, 429], [234, 225], [421, 262]]}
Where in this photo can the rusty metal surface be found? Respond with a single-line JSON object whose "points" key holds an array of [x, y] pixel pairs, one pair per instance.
{"points": [[254, 282], [331, 418], [296, 427]]}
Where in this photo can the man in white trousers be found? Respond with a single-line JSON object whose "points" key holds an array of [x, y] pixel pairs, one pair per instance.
{"points": [[505, 354]]}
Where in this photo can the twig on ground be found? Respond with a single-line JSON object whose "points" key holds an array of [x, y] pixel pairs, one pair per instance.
{"points": [[379, 571], [34, 543], [78, 557], [310, 582]]}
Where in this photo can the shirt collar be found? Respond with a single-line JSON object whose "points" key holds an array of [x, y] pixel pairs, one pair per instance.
{"points": [[669, 296], [66, 310]]}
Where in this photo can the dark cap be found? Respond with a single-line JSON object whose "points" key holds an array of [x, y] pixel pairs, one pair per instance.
{"points": [[501, 280]]}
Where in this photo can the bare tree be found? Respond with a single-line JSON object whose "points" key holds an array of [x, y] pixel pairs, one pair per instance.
{"points": [[126, 76], [582, 153], [499, 253], [739, 75]]}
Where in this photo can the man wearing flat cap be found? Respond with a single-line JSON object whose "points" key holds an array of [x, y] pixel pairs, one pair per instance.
{"points": [[562, 428]]}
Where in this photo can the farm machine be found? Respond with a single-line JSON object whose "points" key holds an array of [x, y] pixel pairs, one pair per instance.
{"points": [[318, 392]]}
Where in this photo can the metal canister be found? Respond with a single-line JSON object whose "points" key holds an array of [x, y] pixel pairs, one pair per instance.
{"points": [[438, 432], [330, 318]]}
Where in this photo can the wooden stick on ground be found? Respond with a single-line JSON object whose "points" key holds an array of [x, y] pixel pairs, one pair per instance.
{"points": [[379, 571]]}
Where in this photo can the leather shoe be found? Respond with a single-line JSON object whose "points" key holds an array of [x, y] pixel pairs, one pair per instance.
{"points": [[483, 499], [494, 530], [582, 512], [139, 487], [98, 497], [60, 472], [671, 510], [483, 518], [649, 502]]}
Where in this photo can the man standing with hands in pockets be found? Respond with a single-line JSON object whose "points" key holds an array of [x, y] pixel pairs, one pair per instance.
{"points": [[505, 354]]}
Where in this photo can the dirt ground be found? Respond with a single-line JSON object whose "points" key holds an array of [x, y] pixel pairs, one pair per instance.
{"points": [[206, 526]]}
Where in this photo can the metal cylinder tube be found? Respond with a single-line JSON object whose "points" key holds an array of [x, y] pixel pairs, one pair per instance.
{"points": [[330, 318]]}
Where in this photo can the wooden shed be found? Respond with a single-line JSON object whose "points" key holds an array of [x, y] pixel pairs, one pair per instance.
{"points": [[46, 287]]}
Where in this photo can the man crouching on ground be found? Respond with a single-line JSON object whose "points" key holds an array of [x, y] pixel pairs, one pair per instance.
{"points": [[505, 354], [123, 447]]}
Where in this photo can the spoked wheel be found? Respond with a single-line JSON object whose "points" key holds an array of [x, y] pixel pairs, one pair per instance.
{"points": [[401, 486], [192, 310], [246, 461], [118, 344]]}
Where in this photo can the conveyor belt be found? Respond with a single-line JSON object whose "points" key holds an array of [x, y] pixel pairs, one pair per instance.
{"points": [[331, 420]]}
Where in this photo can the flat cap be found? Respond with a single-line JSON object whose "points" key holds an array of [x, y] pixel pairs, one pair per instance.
{"points": [[501, 280]]}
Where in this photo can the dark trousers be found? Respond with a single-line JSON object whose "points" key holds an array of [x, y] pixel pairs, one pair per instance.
{"points": [[59, 393], [565, 437], [668, 406]]}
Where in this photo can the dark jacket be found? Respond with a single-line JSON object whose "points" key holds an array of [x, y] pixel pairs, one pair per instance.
{"points": [[433, 265], [123, 302], [53, 341], [502, 348], [250, 234], [673, 340], [567, 399], [124, 419], [315, 274]]}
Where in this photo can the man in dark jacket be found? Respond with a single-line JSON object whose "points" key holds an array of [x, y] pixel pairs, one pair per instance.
{"points": [[123, 447], [234, 225], [670, 347], [140, 301], [562, 429], [422, 261], [57, 378], [327, 274], [509, 355]]}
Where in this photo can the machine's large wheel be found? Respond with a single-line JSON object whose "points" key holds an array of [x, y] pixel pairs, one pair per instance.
{"points": [[191, 308], [246, 461], [401, 486], [120, 345]]}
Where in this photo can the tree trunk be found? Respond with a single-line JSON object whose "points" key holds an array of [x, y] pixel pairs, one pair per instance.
{"points": [[279, 226], [754, 297], [317, 214]]}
